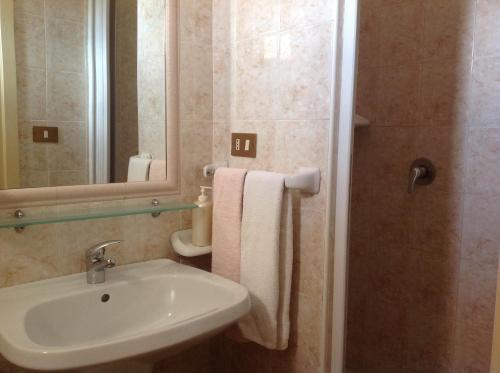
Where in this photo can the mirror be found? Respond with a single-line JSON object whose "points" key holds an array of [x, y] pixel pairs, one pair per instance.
{"points": [[90, 91]]}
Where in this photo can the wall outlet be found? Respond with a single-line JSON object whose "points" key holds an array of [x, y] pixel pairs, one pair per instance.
{"points": [[244, 145]]}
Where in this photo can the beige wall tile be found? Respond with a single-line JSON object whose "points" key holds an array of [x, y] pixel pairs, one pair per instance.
{"points": [[66, 94], [65, 46], [31, 94], [256, 86], [71, 10], [151, 90], [305, 73], [487, 30], [151, 28], [196, 21], [196, 147], [221, 85], [221, 24], [35, 179], [221, 141], [29, 6], [67, 178], [486, 92], [255, 17], [30, 40], [70, 153], [33, 157], [196, 82], [483, 172], [305, 12]]}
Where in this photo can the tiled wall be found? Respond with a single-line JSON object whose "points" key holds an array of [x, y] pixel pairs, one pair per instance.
{"points": [[151, 77], [272, 76], [196, 91], [265, 68], [51, 75], [423, 267], [125, 87]]}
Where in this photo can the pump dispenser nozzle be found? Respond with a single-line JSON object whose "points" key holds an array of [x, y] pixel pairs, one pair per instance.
{"points": [[203, 197]]}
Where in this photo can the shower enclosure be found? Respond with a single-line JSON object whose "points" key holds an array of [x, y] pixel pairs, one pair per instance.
{"points": [[423, 262]]}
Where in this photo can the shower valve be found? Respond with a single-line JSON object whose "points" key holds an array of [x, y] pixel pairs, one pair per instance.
{"points": [[422, 172]]}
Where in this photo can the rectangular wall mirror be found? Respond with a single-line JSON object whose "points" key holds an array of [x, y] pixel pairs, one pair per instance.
{"points": [[85, 103]]}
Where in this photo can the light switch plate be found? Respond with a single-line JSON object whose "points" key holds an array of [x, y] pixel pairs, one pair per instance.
{"points": [[244, 145], [45, 134]]}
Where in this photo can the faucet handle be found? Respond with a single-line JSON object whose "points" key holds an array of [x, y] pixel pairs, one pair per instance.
{"points": [[422, 172], [415, 174], [97, 252]]}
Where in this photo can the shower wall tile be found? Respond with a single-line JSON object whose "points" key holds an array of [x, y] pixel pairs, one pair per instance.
{"points": [[446, 92], [431, 71], [401, 29], [448, 29], [398, 94], [368, 35]]}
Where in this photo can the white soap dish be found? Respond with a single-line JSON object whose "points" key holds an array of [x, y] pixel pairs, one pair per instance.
{"points": [[182, 243]]}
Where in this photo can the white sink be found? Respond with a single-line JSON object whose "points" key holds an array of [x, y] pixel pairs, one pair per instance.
{"points": [[64, 323]]}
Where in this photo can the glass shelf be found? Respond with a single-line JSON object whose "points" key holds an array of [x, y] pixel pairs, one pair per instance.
{"points": [[91, 213]]}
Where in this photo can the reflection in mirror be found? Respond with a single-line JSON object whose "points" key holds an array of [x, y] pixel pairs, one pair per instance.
{"points": [[90, 91]]}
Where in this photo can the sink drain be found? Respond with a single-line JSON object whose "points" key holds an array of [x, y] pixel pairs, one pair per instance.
{"points": [[105, 298]]}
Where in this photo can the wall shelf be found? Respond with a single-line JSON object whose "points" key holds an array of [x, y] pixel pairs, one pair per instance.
{"points": [[19, 220], [360, 121]]}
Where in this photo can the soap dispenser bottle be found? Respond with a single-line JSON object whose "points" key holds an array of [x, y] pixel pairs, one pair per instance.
{"points": [[202, 219]]}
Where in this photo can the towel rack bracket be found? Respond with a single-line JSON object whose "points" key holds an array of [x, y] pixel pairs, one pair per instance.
{"points": [[307, 179]]}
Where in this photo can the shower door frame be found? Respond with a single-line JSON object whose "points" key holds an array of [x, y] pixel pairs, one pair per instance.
{"points": [[345, 42]]}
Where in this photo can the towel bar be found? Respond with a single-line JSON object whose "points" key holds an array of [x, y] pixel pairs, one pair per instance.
{"points": [[306, 179]]}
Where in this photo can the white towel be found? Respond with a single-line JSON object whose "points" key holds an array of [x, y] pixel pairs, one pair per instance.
{"points": [[138, 167], [266, 259]]}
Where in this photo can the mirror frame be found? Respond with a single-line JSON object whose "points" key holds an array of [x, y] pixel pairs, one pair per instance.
{"points": [[13, 198]]}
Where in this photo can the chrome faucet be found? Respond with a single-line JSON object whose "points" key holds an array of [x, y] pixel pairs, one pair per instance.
{"points": [[97, 264]]}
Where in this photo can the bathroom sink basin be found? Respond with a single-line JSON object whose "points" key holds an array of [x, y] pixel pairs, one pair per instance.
{"points": [[65, 323]]}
